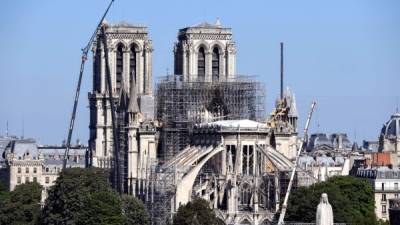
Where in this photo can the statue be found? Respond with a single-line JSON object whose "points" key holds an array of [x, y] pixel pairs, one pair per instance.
{"points": [[324, 211]]}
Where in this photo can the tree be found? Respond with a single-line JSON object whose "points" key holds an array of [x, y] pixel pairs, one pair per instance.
{"points": [[196, 212], [21, 206], [4, 193], [101, 208], [134, 211], [71, 192], [352, 201]]}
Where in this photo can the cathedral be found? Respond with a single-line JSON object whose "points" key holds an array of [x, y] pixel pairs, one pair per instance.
{"points": [[201, 132]]}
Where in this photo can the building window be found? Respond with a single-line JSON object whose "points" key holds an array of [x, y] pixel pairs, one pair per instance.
{"points": [[18, 180], [132, 65], [26, 179], [34, 170], [35, 179], [247, 164], [245, 196], [119, 68], [383, 186], [215, 64], [383, 198], [47, 180], [396, 186], [27, 170], [383, 209], [396, 195], [201, 64], [47, 169], [19, 169], [231, 152]]}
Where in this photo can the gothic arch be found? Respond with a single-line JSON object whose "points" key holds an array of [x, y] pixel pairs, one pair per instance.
{"points": [[219, 45], [183, 189], [266, 222], [203, 44], [120, 43], [246, 221], [137, 45]]}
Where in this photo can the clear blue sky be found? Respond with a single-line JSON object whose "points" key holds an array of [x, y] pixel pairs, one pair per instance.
{"points": [[344, 54]]}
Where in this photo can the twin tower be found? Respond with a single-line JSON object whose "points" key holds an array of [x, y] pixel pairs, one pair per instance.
{"points": [[203, 53]]}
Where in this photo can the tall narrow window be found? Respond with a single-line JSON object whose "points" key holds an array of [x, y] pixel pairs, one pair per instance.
{"points": [[119, 68], [215, 64], [132, 65], [245, 162], [201, 64]]}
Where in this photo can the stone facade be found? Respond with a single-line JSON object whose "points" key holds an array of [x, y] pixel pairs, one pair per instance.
{"points": [[385, 183], [228, 166], [130, 61], [29, 162]]}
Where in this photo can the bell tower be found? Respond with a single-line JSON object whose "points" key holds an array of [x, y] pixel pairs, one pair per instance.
{"points": [[130, 61], [206, 53]]}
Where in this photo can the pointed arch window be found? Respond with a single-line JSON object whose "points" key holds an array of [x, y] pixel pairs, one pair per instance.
{"points": [[201, 64], [132, 65], [215, 64], [119, 68], [245, 195]]}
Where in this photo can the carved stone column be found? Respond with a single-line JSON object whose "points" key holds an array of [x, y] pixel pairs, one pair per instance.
{"points": [[139, 71], [148, 75], [125, 71], [208, 62], [222, 66]]}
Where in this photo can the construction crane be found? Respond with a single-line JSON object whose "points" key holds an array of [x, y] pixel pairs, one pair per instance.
{"points": [[299, 150], [85, 51], [117, 167]]}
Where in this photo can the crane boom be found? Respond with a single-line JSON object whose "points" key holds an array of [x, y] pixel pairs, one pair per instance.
{"points": [[85, 51], [299, 150]]}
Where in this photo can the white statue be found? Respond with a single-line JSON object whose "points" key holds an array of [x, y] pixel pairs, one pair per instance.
{"points": [[324, 211]]}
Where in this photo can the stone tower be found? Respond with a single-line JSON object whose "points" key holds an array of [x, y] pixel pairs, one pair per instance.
{"points": [[205, 52], [130, 61]]}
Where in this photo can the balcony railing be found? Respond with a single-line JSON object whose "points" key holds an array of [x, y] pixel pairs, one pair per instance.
{"points": [[387, 189]]}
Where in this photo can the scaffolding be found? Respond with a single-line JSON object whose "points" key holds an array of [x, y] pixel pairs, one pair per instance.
{"points": [[162, 184], [180, 105]]}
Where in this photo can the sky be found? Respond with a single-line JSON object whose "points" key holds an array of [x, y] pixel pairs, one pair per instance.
{"points": [[343, 54]]}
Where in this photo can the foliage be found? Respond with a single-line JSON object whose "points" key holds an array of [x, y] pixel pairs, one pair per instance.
{"points": [[134, 211], [84, 196], [21, 206], [196, 212], [102, 207], [4, 193], [352, 201], [382, 222], [71, 192]]}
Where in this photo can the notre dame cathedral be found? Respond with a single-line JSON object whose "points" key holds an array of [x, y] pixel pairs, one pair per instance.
{"points": [[200, 132]]}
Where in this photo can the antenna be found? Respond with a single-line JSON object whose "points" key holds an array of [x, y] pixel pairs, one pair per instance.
{"points": [[23, 128], [281, 70]]}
